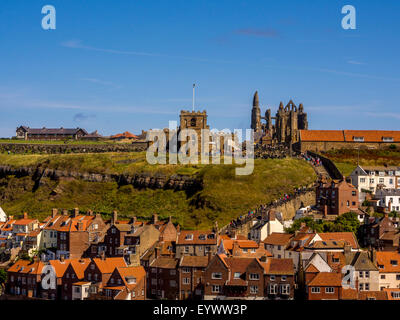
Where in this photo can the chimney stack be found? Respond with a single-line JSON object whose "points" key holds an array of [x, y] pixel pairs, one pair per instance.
{"points": [[90, 212], [54, 212], [65, 212], [10, 218], [76, 212], [114, 217], [62, 258], [155, 218], [103, 255], [209, 256], [25, 215], [235, 249]]}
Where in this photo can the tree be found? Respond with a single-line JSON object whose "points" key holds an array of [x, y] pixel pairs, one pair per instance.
{"points": [[3, 276], [347, 222]]}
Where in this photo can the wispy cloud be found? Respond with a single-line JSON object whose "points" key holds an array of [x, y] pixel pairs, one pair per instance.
{"points": [[264, 33], [383, 115], [77, 44], [101, 82], [355, 62]]}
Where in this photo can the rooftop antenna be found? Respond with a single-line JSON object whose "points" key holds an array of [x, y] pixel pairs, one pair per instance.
{"points": [[193, 98]]}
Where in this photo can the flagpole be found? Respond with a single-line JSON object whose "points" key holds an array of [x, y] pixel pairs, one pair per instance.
{"points": [[193, 98]]}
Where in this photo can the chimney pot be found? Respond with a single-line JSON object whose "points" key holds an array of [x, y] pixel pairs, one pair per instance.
{"points": [[76, 212]]}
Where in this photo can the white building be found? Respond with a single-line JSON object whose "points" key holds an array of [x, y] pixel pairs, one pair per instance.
{"points": [[369, 177], [3, 216], [262, 229], [389, 198]]}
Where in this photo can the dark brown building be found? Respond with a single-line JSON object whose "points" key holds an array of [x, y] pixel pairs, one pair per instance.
{"points": [[191, 276], [336, 197]]}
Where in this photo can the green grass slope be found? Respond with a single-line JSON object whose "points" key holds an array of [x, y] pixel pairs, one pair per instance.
{"points": [[223, 197], [346, 159]]}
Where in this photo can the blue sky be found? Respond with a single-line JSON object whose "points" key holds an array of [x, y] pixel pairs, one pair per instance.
{"points": [[130, 65]]}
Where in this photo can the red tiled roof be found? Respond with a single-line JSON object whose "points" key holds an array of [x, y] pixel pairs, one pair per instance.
{"points": [[385, 259], [109, 264], [27, 267], [327, 279], [348, 237], [278, 266], [278, 238], [348, 135], [196, 235]]}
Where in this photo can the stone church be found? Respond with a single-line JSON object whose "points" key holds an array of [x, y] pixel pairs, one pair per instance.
{"points": [[281, 129]]}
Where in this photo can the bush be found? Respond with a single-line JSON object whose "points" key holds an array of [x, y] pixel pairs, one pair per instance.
{"points": [[3, 276]]}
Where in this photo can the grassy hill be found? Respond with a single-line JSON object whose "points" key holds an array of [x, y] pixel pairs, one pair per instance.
{"points": [[346, 159], [224, 195]]}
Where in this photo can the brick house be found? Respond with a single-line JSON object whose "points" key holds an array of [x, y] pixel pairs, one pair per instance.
{"points": [[191, 276], [163, 278], [24, 278], [99, 271], [276, 243], [279, 279], [234, 277], [126, 283], [336, 197], [242, 248], [74, 273], [196, 243], [380, 233], [325, 286], [388, 263], [75, 235]]}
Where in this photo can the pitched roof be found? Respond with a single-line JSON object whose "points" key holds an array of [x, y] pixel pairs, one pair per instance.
{"points": [[53, 130], [360, 261], [373, 295], [194, 261], [278, 266], [131, 272], [165, 263], [243, 244], [27, 267], [321, 135], [349, 135], [348, 237], [60, 266], [109, 264], [392, 293], [198, 237], [79, 266], [278, 238], [388, 261], [327, 279], [124, 135]]}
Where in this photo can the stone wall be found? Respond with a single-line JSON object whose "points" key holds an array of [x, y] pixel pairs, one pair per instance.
{"points": [[318, 146], [22, 148], [288, 210], [143, 180]]}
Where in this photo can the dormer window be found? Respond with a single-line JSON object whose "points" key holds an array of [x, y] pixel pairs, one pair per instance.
{"points": [[393, 262], [358, 139], [387, 139], [202, 237], [189, 237], [237, 275], [211, 236]]}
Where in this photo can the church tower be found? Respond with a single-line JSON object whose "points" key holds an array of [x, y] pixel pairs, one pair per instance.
{"points": [[256, 114]]}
